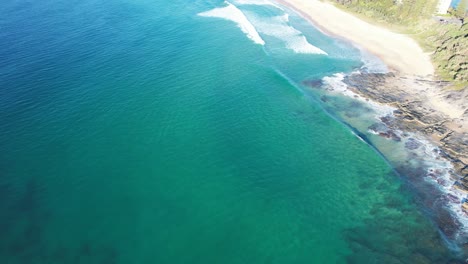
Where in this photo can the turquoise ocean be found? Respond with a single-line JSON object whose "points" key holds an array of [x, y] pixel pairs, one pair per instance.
{"points": [[149, 131]]}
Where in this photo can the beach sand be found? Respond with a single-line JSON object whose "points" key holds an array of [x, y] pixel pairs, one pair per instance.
{"points": [[411, 65], [399, 52]]}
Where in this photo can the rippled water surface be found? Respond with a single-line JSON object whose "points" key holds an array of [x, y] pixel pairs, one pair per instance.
{"points": [[146, 132]]}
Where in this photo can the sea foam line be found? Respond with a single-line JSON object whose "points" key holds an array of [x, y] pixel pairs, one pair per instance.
{"points": [[232, 13]]}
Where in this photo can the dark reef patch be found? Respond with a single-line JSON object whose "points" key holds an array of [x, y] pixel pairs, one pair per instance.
{"points": [[314, 83]]}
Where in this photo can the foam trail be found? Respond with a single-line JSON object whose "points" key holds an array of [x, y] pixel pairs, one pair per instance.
{"points": [[231, 12], [279, 28]]}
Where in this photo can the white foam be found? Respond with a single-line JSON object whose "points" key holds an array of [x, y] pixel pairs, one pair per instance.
{"points": [[232, 13], [335, 83], [257, 2], [279, 27], [372, 63]]}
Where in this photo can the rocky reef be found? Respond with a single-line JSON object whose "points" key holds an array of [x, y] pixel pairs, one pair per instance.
{"points": [[441, 116]]}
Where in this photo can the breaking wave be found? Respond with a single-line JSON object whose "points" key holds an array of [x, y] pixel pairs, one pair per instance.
{"points": [[257, 2], [279, 27], [232, 13]]}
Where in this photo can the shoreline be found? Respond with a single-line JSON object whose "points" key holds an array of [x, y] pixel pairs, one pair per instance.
{"points": [[400, 52], [423, 105], [404, 57], [428, 140]]}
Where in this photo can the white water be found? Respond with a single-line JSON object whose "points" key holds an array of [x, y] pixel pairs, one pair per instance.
{"points": [[335, 83], [257, 2], [279, 27], [232, 13], [372, 64]]}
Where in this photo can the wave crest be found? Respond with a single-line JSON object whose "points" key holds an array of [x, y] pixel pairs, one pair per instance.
{"points": [[257, 2], [279, 27], [232, 13]]}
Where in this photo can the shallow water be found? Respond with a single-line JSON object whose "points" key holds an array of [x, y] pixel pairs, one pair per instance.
{"points": [[142, 132]]}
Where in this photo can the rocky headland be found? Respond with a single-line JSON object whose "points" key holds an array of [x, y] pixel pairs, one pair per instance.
{"points": [[430, 127], [442, 116]]}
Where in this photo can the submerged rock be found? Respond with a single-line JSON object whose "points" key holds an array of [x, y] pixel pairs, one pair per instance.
{"points": [[388, 120], [412, 144], [314, 83], [453, 198], [390, 135], [416, 113], [377, 128], [420, 111]]}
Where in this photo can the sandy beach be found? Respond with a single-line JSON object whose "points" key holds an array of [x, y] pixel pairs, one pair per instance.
{"points": [[402, 55], [398, 51]]}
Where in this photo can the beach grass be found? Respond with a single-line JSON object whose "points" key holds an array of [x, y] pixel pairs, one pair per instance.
{"points": [[446, 42]]}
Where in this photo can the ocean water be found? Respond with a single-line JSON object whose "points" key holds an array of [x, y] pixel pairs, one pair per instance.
{"points": [[180, 132]]}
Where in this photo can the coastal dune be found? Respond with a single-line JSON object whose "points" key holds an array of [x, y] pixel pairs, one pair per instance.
{"points": [[399, 52]]}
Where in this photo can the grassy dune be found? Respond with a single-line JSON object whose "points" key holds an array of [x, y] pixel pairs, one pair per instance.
{"points": [[448, 43]]}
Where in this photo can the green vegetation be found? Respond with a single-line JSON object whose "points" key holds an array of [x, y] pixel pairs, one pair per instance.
{"points": [[401, 12], [449, 46], [447, 41], [461, 10]]}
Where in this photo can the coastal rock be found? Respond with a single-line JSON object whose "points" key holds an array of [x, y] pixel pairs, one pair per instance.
{"points": [[383, 131], [366, 83], [457, 145], [452, 198], [416, 111], [447, 223], [377, 128], [439, 115], [390, 135], [461, 187], [388, 120], [412, 144], [464, 170]]}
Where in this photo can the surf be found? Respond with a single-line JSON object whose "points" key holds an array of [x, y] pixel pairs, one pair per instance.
{"points": [[280, 28], [232, 13]]}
